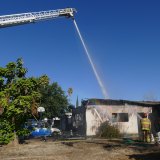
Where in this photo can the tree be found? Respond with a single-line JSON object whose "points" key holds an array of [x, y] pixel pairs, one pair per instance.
{"points": [[70, 91], [19, 97], [77, 103], [53, 100]]}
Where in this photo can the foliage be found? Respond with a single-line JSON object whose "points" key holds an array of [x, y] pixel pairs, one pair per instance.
{"points": [[106, 130], [6, 132], [19, 96], [70, 91], [77, 103], [53, 100]]}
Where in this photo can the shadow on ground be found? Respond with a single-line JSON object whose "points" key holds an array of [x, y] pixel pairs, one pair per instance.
{"points": [[111, 147], [148, 156]]}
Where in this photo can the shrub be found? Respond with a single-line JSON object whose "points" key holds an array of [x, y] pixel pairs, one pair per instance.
{"points": [[106, 130], [6, 132]]}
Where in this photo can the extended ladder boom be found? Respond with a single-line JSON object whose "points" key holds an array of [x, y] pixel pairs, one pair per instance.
{"points": [[24, 18]]}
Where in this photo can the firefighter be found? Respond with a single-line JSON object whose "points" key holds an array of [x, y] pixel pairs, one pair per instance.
{"points": [[146, 128]]}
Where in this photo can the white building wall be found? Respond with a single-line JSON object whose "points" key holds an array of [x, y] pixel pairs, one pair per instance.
{"points": [[130, 127], [92, 122], [96, 114]]}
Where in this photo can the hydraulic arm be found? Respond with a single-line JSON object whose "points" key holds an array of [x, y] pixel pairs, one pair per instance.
{"points": [[24, 18]]}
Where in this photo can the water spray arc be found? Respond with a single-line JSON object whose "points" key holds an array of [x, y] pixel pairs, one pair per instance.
{"points": [[102, 87]]}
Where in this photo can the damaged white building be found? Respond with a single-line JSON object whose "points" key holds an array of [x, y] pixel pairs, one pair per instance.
{"points": [[125, 114]]}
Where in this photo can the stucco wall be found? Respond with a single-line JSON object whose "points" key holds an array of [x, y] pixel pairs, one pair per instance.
{"points": [[96, 114]]}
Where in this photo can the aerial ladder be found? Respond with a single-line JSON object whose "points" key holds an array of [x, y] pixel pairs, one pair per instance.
{"points": [[32, 17]]}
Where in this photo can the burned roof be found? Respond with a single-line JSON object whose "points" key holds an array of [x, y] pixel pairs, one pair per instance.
{"points": [[94, 101]]}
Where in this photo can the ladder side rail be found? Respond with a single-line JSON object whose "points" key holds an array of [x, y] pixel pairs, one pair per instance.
{"points": [[41, 13], [35, 15], [27, 13], [45, 15], [15, 17], [23, 18]]}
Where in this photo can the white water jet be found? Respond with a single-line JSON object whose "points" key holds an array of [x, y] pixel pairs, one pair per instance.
{"points": [[104, 92]]}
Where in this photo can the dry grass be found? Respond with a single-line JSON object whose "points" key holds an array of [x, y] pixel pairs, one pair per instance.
{"points": [[78, 150]]}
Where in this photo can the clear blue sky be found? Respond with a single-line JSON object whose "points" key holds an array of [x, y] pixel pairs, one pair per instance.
{"points": [[123, 38]]}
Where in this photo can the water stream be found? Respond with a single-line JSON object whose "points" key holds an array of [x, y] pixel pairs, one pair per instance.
{"points": [[102, 87], [104, 92]]}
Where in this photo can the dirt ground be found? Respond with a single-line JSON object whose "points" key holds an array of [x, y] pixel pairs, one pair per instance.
{"points": [[90, 149]]}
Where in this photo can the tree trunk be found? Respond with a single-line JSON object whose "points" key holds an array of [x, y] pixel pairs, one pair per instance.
{"points": [[14, 142]]}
